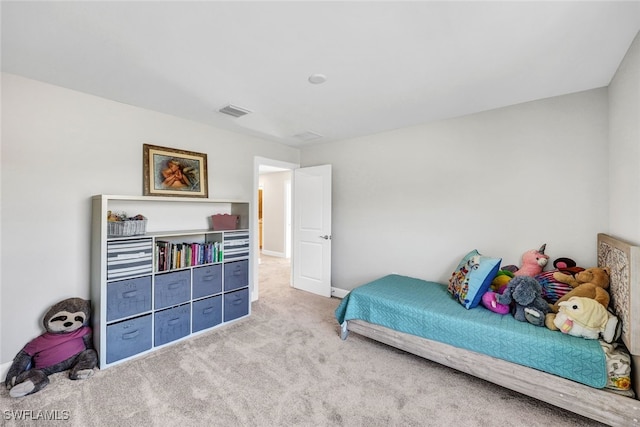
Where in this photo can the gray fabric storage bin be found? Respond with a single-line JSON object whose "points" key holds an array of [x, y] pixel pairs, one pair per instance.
{"points": [[236, 304], [207, 281], [127, 338], [206, 313], [171, 324], [172, 288], [128, 297], [128, 258], [236, 275], [236, 245]]}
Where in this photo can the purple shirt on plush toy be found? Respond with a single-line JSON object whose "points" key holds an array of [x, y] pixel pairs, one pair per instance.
{"points": [[49, 349]]}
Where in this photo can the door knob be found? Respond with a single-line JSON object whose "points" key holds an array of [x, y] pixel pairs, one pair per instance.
{"points": [[325, 237]]}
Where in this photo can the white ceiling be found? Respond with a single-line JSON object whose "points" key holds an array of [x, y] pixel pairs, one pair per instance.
{"points": [[388, 64]]}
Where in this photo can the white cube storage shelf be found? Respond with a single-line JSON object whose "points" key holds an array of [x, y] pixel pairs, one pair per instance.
{"points": [[137, 308]]}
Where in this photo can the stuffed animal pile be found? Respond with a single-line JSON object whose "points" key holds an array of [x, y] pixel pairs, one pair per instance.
{"points": [[580, 300], [583, 311], [590, 283], [514, 289], [66, 345]]}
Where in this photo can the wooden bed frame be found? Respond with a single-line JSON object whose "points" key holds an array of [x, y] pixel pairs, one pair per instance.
{"points": [[597, 404]]}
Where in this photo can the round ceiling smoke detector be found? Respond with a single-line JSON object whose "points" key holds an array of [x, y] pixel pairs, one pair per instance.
{"points": [[317, 79]]}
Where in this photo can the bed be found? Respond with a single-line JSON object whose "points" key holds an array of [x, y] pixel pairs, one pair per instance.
{"points": [[499, 348]]}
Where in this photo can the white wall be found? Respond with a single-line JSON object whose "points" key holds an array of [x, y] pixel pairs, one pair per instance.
{"points": [[414, 200], [624, 147], [273, 212], [60, 147]]}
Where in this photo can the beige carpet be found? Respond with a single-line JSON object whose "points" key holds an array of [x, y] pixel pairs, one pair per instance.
{"points": [[285, 365]]}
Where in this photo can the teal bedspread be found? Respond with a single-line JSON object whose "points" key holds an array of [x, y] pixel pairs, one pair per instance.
{"points": [[425, 309]]}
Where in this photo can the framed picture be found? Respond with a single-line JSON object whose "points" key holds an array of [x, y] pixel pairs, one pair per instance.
{"points": [[173, 172]]}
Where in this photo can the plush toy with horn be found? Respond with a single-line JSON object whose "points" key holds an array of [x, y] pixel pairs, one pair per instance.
{"points": [[533, 262]]}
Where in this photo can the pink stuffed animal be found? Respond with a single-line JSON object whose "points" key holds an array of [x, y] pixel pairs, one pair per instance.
{"points": [[533, 262], [489, 300]]}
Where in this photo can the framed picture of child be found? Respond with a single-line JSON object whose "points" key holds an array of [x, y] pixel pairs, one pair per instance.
{"points": [[174, 172]]}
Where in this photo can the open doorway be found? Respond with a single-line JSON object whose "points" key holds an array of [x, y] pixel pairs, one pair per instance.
{"points": [[272, 218], [274, 213]]}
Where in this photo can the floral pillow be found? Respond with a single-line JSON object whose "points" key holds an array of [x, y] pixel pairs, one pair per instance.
{"points": [[472, 278], [618, 368]]}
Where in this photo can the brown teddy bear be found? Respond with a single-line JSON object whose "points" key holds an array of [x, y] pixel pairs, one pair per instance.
{"points": [[590, 283]]}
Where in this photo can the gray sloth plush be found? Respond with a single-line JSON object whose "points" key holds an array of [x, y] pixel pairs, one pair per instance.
{"points": [[526, 293], [67, 345]]}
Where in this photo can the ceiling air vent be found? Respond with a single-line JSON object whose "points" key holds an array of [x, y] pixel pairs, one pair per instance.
{"points": [[233, 110], [307, 136]]}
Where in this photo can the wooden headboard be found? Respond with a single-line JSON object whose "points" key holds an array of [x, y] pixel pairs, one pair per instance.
{"points": [[624, 261]]}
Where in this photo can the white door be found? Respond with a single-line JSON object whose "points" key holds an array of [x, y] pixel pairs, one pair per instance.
{"points": [[311, 262]]}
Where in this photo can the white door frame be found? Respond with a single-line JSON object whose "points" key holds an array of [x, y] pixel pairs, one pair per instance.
{"points": [[255, 241], [288, 212]]}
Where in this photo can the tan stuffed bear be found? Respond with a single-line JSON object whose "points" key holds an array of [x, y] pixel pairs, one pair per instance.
{"points": [[590, 283]]}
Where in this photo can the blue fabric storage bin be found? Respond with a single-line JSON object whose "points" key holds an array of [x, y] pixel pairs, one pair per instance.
{"points": [[172, 324], [207, 313], [127, 338], [207, 280], [236, 304], [172, 288], [128, 297], [236, 275]]}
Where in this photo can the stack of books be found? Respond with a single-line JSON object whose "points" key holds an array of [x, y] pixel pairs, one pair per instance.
{"points": [[171, 256]]}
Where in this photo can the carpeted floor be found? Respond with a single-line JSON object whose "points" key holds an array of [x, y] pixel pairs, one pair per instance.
{"points": [[285, 365]]}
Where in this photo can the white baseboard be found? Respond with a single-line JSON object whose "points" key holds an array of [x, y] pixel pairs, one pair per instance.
{"points": [[273, 253], [339, 293]]}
